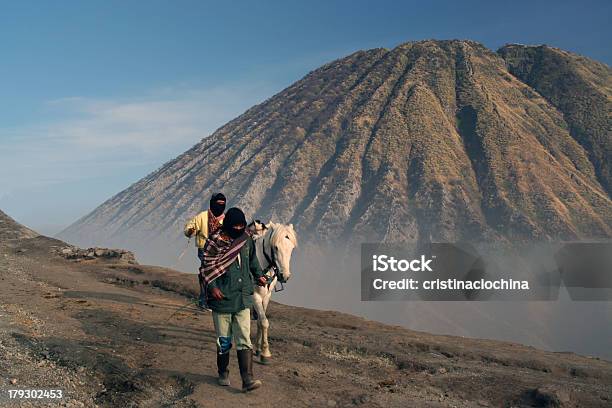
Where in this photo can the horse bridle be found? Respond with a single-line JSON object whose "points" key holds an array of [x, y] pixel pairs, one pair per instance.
{"points": [[272, 265]]}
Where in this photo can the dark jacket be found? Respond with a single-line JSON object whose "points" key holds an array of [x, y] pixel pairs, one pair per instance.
{"points": [[237, 282]]}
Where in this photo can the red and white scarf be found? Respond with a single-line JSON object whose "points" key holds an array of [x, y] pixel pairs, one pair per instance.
{"points": [[219, 255], [214, 223]]}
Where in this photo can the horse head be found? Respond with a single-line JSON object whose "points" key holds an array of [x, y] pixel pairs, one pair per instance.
{"points": [[278, 242], [283, 239]]}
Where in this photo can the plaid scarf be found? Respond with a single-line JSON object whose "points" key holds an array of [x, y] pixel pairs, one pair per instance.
{"points": [[214, 223], [219, 255]]}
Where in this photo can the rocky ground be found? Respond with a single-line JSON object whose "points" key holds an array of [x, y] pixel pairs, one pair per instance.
{"points": [[107, 332]]}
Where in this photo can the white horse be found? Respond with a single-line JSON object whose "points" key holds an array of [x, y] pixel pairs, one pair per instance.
{"points": [[274, 244]]}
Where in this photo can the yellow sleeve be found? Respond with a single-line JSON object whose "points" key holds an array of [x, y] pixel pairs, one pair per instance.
{"points": [[191, 224]]}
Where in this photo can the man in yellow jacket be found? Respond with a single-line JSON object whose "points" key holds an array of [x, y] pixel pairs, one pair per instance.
{"points": [[202, 226]]}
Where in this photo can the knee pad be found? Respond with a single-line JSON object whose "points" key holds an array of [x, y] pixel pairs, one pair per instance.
{"points": [[224, 345]]}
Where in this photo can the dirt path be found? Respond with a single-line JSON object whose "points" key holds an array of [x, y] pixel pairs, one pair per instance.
{"points": [[100, 331]]}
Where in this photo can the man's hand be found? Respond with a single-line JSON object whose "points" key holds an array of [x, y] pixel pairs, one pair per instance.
{"points": [[190, 232], [217, 294], [262, 281]]}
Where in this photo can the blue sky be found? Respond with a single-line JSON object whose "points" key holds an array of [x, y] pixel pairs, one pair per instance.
{"points": [[96, 94]]}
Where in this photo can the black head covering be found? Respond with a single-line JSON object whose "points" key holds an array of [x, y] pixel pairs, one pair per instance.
{"points": [[215, 207], [234, 216]]}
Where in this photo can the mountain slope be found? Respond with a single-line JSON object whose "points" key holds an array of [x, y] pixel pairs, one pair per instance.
{"points": [[430, 140], [580, 88], [11, 229]]}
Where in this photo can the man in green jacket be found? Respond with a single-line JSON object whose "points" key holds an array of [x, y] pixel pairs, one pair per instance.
{"points": [[229, 268]]}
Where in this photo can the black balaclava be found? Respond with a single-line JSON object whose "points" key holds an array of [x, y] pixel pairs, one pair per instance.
{"points": [[215, 207], [234, 216]]}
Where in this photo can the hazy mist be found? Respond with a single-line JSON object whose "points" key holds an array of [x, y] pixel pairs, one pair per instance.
{"points": [[321, 279]]}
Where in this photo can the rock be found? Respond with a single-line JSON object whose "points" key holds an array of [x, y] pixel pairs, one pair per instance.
{"points": [[442, 370], [362, 399], [78, 254], [552, 396], [331, 403], [13, 381]]}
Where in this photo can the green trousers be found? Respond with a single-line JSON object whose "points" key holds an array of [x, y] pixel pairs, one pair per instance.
{"points": [[233, 326]]}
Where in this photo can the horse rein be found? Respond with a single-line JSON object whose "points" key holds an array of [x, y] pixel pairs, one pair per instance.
{"points": [[272, 265]]}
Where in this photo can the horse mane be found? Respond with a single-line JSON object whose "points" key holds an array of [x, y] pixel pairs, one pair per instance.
{"points": [[275, 231]]}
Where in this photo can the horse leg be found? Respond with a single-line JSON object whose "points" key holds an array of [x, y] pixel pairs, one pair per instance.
{"points": [[258, 305], [265, 324]]}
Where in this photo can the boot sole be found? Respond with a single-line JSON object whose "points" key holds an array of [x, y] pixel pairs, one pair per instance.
{"points": [[252, 387]]}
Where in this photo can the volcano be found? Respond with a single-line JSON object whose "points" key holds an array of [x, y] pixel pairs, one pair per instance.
{"points": [[430, 140]]}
